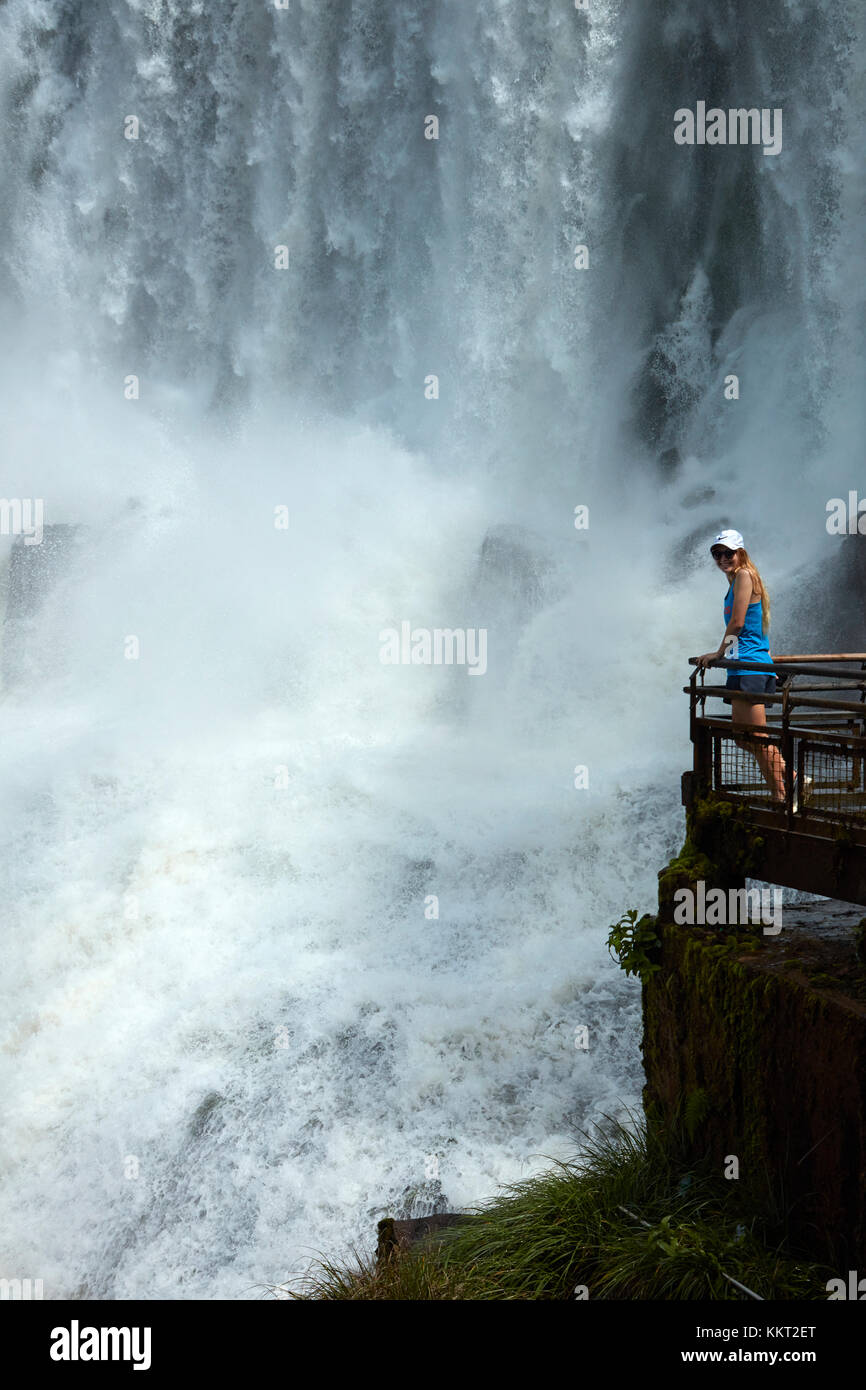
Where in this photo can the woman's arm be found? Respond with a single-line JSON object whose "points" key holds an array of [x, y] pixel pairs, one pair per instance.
{"points": [[742, 598]]}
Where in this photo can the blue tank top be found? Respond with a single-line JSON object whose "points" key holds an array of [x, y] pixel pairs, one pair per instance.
{"points": [[752, 645]]}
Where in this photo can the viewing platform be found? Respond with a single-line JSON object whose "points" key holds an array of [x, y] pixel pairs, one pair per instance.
{"points": [[814, 839]]}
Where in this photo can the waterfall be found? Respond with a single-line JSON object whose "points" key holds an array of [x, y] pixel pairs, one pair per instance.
{"points": [[296, 938]]}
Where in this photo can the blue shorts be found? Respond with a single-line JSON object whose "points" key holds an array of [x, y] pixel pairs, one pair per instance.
{"points": [[751, 682]]}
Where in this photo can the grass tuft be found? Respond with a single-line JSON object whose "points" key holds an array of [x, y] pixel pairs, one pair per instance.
{"points": [[626, 1220]]}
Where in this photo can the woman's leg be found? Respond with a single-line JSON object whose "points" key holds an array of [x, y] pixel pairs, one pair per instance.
{"points": [[752, 719]]}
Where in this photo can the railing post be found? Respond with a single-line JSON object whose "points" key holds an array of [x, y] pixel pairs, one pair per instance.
{"points": [[703, 760], [787, 750], [857, 760]]}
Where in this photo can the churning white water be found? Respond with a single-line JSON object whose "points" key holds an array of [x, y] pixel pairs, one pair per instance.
{"points": [[235, 1031]]}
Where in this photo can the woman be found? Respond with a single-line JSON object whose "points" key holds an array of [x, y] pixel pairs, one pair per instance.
{"points": [[747, 614]]}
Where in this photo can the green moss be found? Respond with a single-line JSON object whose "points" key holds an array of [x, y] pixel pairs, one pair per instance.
{"points": [[725, 834], [689, 860], [695, 1110], [721, 848], [735, 1000], [684, 871]]}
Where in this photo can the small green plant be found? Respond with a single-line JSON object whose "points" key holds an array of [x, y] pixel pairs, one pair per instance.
{"points": [[670, 1240], [631, 943]]}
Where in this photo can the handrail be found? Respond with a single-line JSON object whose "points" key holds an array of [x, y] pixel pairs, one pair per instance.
{"points": [[819, 656], [729, 664], [723, 692], [825, 656]]}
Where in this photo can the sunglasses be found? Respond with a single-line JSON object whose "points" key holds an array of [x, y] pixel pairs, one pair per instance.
{"points": [[717, 554]]}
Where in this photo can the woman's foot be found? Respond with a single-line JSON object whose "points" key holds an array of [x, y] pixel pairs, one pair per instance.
{"points": [[807, 787], [795, 796]]}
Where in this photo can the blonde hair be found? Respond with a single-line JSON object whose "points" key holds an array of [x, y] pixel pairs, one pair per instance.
{"points": [[743, 562]]}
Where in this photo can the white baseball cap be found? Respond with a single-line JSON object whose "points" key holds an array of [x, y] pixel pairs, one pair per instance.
{"points": [[732, 539]]}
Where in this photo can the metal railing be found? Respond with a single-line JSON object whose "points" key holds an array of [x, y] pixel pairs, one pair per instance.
{"points": [[817, 722]]}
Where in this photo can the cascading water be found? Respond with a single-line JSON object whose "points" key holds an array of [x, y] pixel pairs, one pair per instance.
{"points": [[235, 1031]]}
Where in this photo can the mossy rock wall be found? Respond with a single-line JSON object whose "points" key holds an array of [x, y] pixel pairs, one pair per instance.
{"points": [[762, 1066]]}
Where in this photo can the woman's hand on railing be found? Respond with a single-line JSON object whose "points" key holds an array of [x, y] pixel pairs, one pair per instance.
{"points": [[708, 657]]}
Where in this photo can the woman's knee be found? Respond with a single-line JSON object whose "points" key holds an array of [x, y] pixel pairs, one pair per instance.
{"points": [[746, 736]]}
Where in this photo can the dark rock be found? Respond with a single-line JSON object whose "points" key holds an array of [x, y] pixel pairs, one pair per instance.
{"points": [[400, 1235], [698, 496], [823, 608], [515, 567]]}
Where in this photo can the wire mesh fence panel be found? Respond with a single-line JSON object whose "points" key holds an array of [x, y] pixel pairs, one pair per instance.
{"points": [[747, 766], [830, 778], [833, 780]]}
